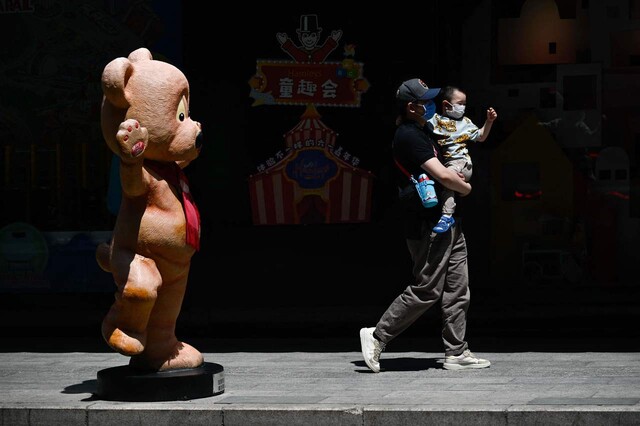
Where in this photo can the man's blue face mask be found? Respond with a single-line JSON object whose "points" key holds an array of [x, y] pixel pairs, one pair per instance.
{"points": [[429, 109]]}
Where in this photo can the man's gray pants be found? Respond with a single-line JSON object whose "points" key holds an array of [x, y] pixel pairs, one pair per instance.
{"points": [[440, 270]]}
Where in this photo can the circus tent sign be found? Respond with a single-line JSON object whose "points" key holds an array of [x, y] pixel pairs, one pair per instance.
{"points": [[311, 180]]}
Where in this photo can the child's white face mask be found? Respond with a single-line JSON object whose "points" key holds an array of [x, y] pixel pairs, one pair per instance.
{"points": [[456, 111]]}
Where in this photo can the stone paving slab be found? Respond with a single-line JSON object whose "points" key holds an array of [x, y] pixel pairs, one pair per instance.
{"points": [[313, 388]]}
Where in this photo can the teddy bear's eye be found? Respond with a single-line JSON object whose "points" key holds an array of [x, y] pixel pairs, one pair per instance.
{"points": [[182, 111]]}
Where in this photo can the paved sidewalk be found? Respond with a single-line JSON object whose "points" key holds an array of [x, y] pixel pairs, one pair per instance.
{"points": [[327, 388]]}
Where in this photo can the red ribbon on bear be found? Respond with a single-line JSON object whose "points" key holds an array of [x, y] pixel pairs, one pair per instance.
{"points": [[174, 175]]}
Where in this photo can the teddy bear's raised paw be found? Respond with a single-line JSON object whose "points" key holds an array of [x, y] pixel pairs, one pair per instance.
{"points": [[132, 138]]}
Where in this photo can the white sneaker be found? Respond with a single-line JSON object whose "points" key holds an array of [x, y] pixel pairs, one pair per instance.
{"points": [[464, 361], [371, 348]]}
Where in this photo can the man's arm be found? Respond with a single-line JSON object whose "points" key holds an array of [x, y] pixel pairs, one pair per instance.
{"points": [[447, 177]]}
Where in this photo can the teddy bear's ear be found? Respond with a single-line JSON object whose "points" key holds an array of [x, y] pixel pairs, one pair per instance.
{"points": [[141, 54], [114, 80]]}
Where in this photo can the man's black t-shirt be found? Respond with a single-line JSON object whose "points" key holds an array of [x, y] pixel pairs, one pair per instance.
{"points": [[412, 146]]}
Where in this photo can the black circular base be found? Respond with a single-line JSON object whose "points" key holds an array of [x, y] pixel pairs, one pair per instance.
{"points": [[126, 384]]}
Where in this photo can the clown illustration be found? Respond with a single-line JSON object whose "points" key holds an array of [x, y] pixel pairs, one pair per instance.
{"points": [[309, 34]]}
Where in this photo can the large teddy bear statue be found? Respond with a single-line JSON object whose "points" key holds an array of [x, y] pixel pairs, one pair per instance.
{"points": [[145, 122]]}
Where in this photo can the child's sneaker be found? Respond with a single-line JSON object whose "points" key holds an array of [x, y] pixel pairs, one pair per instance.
{"points": [[444, 224], [464, 361]]}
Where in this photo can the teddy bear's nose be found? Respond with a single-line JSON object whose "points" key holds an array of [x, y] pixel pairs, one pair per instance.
{"points": [[199, 140]]}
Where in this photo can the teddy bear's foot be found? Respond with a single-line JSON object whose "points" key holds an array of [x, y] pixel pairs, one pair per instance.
{"points": [[126, 344], [186, 356], [182, 356]]}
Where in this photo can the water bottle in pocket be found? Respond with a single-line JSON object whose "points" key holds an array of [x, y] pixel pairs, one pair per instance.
{"points": [[426, 190]]}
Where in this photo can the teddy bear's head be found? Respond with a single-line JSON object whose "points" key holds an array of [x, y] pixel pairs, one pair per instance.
{"points": [[156, 94]]}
